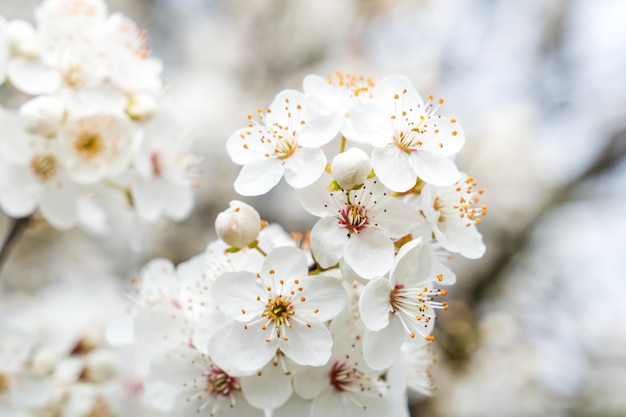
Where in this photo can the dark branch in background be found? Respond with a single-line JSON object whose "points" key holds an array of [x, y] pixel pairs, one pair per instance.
{"points": [[17, 228], [613, 153]]}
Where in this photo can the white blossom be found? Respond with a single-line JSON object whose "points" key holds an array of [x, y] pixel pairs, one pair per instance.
{"points": [[357, 225], [287, 141], [280, 307], [410, 141], [401, 307]]}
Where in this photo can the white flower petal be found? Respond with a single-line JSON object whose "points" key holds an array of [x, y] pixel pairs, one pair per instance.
{"points": [[284, 104], [161, 328], [179, 203], [392, 167], [412, 265], [235, 149], [235, 293], [395, 217], [31, 392], [309, 382], [374, 305], [248, 349], [434, 168], [268, 390], [449, 138], [175, 367], [325, 297], [327, 241], [32, 77], [296, 406], [369, 252], [19, 190], [304, 167], [462, 239], [316, 199], [259, 176], [319, 88], [58, 205], [372, 124], [382, 348], [147, 197], [385, 92], [307, 344], [287, 263], [336, 404], [319, 131]]}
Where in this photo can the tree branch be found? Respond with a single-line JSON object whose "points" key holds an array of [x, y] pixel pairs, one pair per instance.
{"points": [[17, 229]]}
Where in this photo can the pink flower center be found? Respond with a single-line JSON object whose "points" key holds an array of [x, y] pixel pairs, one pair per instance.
{"points": [[220, 384], [353, 217], [343, 376], [155, 161]]}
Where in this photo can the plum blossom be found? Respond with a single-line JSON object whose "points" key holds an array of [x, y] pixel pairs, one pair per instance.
{"points": [[161, 181], [339, 95], [280, 308], [410, 141], [201, 386], [419, 360], [357, 226], [96, 147], [32, 176], [286, 141], [345, 386], [452, 214], [398, 308], [20, 390]]}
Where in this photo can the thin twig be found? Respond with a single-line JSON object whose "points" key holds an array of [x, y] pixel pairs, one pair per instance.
{"points": [[17, 228]]}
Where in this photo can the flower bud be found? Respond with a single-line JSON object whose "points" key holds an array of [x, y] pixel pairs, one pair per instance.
{"points": [[101, 365], [238, 225], [43, 362], [43, 114], [351, 168], [23, 38], [141, 107]]}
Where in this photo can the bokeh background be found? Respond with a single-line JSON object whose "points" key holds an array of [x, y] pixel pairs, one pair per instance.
{"points": [[535, 328]]}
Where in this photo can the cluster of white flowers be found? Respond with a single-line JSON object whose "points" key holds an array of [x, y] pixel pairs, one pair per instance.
{"points": [[55, 359], [336, 322], [92, 118]]}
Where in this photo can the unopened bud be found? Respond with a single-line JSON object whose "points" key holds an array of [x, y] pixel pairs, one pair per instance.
{"points": [[43, 363], [101, 365], [238, 225], [351, 168], [141, 107], [23, 38], [43, 114]]}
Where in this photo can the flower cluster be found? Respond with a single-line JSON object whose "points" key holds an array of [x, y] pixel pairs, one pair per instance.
{"points": [[336, 322], [92, 119]]}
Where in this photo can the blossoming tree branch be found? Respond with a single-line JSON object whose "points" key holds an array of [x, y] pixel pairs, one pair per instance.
{"points": [[337, 321]]}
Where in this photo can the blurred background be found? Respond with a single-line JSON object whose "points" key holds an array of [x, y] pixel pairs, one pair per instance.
{"points": [[536, 327]]}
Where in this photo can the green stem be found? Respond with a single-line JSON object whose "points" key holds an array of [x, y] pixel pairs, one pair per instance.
{"points": [[316, 269], [261, 251], [255, 245], [342, 147]]}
